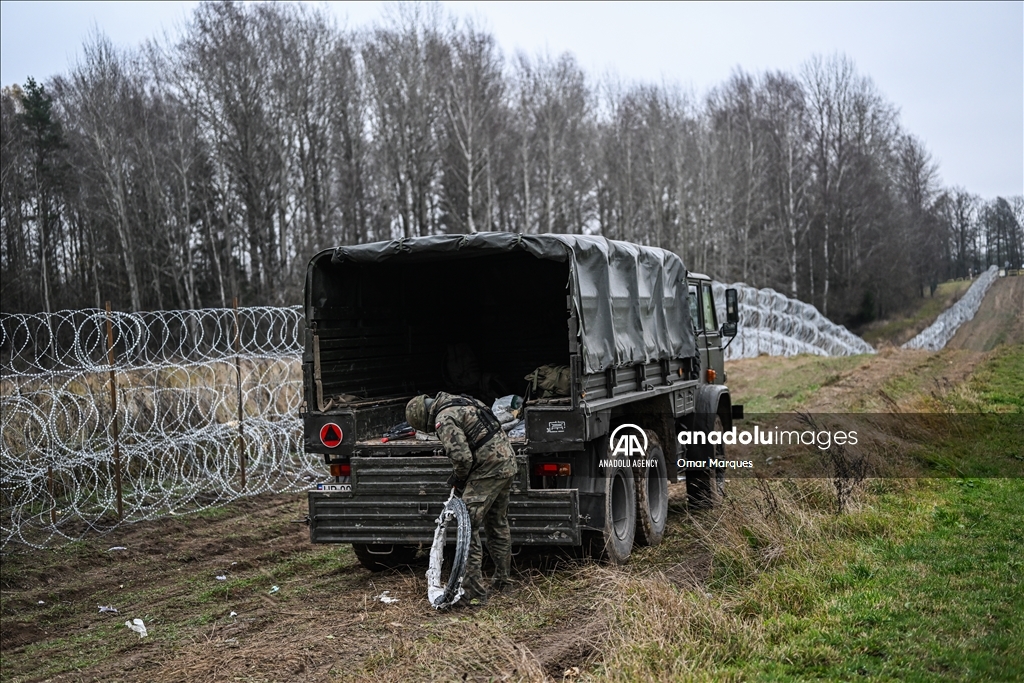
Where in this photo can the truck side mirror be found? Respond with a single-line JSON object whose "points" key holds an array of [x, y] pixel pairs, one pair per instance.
{"points": [[732, 314], [732, 308]]}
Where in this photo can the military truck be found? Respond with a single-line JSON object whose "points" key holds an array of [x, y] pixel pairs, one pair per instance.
{"points": [[636, 335]]}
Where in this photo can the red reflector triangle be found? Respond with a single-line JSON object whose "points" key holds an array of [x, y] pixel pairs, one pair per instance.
{"points": [[330, 435]]}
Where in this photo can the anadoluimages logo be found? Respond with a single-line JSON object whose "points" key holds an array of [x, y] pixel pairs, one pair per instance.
{"points": [[627, 445]]}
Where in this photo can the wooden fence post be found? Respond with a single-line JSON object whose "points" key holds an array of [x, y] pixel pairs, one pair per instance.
{"points": [[238, 383], [113, 416]]}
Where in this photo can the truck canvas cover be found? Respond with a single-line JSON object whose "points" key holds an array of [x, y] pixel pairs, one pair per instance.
{"points": [[630, 300]]}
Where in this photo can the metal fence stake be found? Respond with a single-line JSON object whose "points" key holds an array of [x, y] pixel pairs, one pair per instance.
{"points": [[238, 383], [113, 416]]}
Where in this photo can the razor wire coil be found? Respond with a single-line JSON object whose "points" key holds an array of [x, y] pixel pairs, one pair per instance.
{"points": [[180, 446], [774, 324], [443, 593], [937, 335]]}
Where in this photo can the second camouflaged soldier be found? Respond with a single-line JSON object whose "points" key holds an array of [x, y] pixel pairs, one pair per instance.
{"points": [[484, 466]]}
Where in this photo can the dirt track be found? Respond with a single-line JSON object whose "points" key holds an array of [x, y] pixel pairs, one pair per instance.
{"points": [[999, 320]]}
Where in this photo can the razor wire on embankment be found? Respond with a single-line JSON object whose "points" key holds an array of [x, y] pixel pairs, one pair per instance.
{"points": [[112, 417], [773, 324], [937, 335]]}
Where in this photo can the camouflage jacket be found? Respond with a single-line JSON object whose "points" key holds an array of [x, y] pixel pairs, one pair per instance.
{"points": [[458, 427]]}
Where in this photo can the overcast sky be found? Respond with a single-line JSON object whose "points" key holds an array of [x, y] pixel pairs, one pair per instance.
{"points": [[955, 70]]}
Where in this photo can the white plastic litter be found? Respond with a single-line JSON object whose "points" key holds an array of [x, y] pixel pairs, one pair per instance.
{"points": [[137, 626], [221, 577], [773, 324], [274, 589], [938, 334], [116, 547], [107, 608], [385, 598], [233, 614], [41, 602]]}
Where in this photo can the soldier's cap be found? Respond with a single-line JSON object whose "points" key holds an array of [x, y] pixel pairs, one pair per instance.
{"points": [[416, 412]]}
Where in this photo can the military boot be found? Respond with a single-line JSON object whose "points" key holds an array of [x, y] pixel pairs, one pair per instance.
{"points": [[473, 592]]}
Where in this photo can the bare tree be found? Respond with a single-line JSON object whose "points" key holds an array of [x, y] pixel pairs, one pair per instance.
{"points": [[403, 66], [472, 98]]}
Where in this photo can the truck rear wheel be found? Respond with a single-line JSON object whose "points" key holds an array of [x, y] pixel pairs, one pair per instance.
{"points": [[379, 557], [619, 515], [705, 488], [651, 495]]}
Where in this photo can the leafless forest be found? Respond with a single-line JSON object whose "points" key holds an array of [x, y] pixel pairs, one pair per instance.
{"points": [[213, 162]]}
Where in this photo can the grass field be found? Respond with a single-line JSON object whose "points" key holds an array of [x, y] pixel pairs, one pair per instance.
{"points": [[916, 580]]}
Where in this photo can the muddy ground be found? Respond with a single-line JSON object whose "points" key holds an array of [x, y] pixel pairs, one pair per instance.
{"points": [[324, 622]]}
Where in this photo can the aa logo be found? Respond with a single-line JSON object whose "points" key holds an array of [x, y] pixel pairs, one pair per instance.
{"points": [[628, 441]]}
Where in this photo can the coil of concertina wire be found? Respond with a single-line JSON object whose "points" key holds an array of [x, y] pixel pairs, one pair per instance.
{"points": [[76, 341], [937, 335], [177, 412], [774, 324], [444, 595]]}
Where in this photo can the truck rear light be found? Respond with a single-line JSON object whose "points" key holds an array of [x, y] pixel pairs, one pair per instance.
{"points": [[552, 469], [711, 376], [341, 470]]}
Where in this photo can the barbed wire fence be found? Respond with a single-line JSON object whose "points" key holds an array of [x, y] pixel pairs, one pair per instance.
{"points": [[112, 417]]}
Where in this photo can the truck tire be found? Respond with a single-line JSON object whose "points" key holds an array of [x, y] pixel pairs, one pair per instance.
{"points": [[651, 495], [619, 515], [705, 488], [378, 558]]}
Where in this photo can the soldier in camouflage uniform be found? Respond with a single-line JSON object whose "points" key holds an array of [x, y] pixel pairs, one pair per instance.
{"points": [[484, 466]]}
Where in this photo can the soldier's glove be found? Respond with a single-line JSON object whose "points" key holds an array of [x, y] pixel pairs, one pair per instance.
{"points": [[458, 484]]}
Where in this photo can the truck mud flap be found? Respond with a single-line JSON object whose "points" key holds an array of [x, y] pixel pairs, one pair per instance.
{"points": [[397, 500]]}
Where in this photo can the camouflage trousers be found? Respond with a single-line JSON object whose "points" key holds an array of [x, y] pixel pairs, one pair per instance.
{"points": [[487, 502]]}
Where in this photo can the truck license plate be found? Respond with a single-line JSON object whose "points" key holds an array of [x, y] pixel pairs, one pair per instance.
{"points": [[344, 488]]}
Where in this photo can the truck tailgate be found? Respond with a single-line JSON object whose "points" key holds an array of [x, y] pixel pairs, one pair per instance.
{"points": [[398, 500]]}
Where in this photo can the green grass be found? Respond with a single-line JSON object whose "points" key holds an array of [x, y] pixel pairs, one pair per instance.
{"points": [[788, 382], [999, 384], [936, 597], [921, 312]]}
